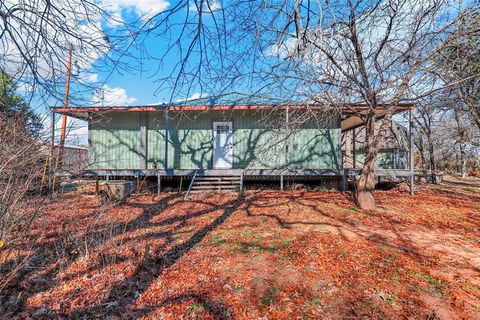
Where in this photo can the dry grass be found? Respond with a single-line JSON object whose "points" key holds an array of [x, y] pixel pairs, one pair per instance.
{"points": [[281, 255]]}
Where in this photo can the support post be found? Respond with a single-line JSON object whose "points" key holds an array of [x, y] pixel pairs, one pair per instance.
{"points": [[166, 139], [354, 157], [241, 183], [159, 184], [287, 121], [410, 142], [281, 182]]}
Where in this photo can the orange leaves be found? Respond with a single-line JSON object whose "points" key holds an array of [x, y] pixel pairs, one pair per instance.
{"points": [[270, 254]]}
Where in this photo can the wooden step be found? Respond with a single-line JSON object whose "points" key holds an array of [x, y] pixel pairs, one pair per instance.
{"points": [[214, 187], [209, 178], [217, 182], [212, 191]]}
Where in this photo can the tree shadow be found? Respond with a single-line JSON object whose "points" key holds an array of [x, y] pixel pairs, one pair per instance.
{"points": [[123, 296]]}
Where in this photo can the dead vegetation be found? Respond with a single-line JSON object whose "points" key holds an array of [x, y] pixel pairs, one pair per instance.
{"points": [[279, 255]]}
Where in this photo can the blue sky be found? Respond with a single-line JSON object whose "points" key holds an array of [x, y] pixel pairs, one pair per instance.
{"points": [[112, 85], [139, 85], [136, 84]]}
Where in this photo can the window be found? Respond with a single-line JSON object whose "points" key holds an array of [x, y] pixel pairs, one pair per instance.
{"points": [[223, 129]]}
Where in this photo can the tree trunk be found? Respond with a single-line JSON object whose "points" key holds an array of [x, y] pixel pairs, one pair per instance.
{"points": [[461, 145], [431, 154], [366, 187], [366, 183], [423, 158], [463, 160]]}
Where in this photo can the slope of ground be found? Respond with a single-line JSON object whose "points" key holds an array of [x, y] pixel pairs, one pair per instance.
{"points": [[267, 254]]}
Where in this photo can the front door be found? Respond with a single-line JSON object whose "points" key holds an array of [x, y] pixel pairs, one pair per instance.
{"points": [[222, 145]]}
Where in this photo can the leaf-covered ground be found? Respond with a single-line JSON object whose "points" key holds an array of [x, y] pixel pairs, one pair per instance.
{"points": [[276, 255]]}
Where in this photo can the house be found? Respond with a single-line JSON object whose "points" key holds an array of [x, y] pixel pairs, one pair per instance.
{"points": [[393, 152], [225, 134]]}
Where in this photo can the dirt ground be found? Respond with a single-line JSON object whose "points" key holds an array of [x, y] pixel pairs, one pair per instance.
{"points": [[268, 255]]}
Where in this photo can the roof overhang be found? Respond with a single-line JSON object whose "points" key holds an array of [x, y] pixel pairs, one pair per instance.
{"points": [[353, 118], [351, 113]]}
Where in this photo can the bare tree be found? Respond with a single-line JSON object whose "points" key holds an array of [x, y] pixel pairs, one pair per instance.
{"points": [[332, 53], [21, 168], [428, 112], [462, 75], [36, 36]]}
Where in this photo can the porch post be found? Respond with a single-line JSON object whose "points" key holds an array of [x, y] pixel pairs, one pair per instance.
{"points": [[410, 142], [287, 120], [354, 157], [166, 139]]}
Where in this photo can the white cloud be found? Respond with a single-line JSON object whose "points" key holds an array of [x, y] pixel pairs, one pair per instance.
{"points": [[115, 19], [108, 96], [208, 6], [78, 25], [24, 86], [88, 77], [142, 8]]}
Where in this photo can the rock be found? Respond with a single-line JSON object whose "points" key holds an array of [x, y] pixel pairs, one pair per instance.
{"points": [[40, 312], [110, 304], [403, 187], [118, 190]]}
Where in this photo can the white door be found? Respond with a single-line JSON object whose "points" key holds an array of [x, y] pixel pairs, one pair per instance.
{"points": [[222, 145]]}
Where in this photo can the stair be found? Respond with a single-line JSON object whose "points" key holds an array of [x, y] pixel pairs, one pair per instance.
{"points": [[215, 183]]}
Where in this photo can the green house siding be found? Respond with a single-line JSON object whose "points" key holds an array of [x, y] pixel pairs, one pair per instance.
{"points": [[316, 146], [256, 145], [116, 141], [190, 140], [156, 139]]}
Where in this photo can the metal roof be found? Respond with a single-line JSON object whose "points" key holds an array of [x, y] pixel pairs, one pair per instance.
{"points": [[231, 99]]}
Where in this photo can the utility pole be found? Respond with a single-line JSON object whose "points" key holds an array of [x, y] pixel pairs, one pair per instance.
{"points": [[65, 100], [63, 128]]}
